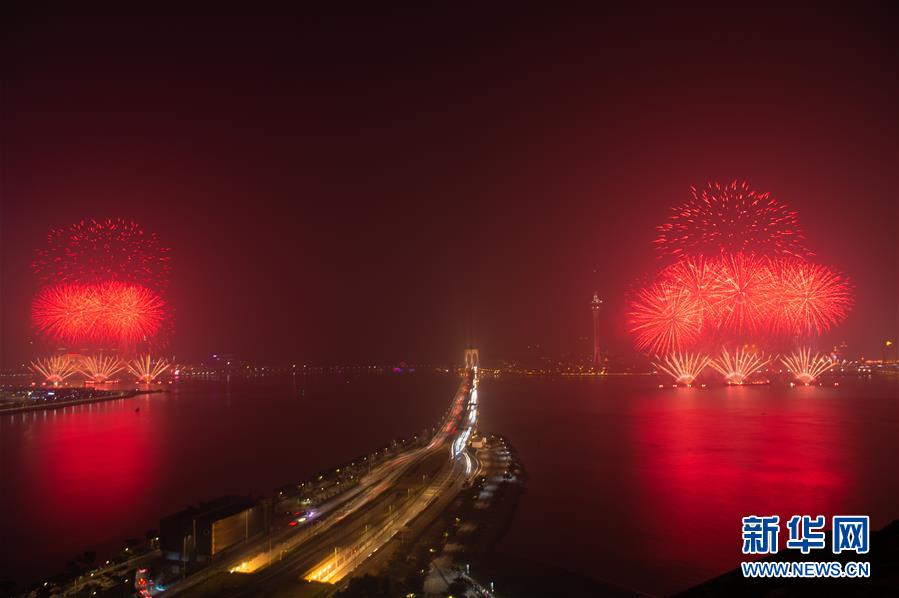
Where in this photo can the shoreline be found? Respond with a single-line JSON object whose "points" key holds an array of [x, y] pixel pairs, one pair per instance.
{"points": [[126, 394]]}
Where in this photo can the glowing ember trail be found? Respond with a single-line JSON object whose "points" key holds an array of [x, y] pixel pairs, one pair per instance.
{"points": [[739, 297], [737, 368], [55, 369], [739, 276], [701, 278], [93, 252], [146, 370], [746, 297], [111, 311], [664, 318], [731, 219], [811, 298], [100, 368], [684, 368], [805, 367]]}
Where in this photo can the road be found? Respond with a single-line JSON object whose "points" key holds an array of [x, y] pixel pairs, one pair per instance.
{"points": [[349, 528]]}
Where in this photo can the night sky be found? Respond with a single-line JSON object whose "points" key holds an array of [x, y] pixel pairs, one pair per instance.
{"points": [[395, 186]]}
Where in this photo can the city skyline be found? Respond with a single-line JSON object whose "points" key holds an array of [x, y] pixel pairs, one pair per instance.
{"points": [[484, 259], [450, 300]]}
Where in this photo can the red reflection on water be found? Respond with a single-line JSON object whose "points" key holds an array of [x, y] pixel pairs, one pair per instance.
{"points": [[702, 469], [87, 466]]}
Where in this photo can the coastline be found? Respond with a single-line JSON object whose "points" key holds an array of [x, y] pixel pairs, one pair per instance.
{"points": [[125, 394]]}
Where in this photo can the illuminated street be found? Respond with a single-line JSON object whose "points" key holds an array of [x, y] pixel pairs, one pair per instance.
{"points": [[353, 526]]}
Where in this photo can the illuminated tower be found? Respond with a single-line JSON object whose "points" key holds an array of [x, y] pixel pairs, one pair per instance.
{"points": [[595, 306]]}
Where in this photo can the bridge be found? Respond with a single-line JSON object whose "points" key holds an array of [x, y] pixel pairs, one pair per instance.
{"points": [[348, 530]]}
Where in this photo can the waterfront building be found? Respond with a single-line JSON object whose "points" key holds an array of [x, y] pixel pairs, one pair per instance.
{"points": [[199, 533]]}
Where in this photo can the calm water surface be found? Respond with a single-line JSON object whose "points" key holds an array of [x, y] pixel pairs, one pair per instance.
{"points": [[645, 487], [87, 477], [628, 483]]}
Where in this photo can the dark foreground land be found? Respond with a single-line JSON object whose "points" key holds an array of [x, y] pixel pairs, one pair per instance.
{"points": [[22, 399]]}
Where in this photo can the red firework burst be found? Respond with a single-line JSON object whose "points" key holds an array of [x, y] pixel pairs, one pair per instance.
{"points": [[665, 318], [110, 311], [746, 295], [811, 298], [701, 278], [731, 219], [92, 252], [740, 297]]}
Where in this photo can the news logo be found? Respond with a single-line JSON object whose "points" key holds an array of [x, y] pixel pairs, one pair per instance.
{"points": [[806, 534], [851, 533], [760, 534]]}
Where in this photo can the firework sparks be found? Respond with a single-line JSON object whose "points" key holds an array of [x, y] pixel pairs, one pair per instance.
{"points": [[100, 368], [746, 296], [146, 370], [665, 318], [683, 367], [739, 297], [110, 311], [731, 219], [740, 275], [701, 278], [91, 252], [806, 367], [812, 297], [55, 369], [737, 367]]}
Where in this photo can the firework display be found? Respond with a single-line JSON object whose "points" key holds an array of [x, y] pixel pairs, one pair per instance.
{"points": [[56, 369], [806, 367], [744, 298], [103, 284], [700, 278], [92, 251], [731, 218], [811, 298], [146, 369], [99, 368], [738, 274], [745, 294], [739, 366], [665, 317], [106, 312], [683, 367]]}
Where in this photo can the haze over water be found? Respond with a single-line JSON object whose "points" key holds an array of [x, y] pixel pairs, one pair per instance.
{"points": [[89, 476], [645, 487], [628, 483]]}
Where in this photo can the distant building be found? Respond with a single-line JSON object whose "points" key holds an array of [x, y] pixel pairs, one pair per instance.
{"points": [[199, 533], [595, 306]]}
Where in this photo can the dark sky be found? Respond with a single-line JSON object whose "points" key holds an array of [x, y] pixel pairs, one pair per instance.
{"points": [[393, 186]]}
